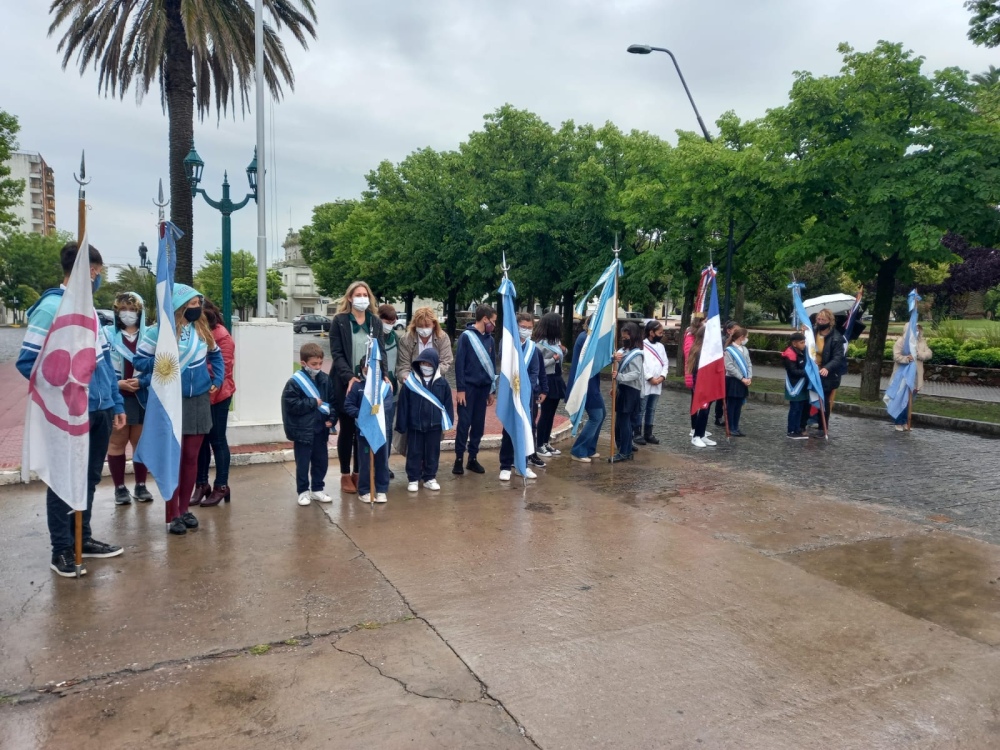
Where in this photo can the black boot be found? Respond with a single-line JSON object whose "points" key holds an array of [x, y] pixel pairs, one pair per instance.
{"points": [[650, 438], [637, 438]]}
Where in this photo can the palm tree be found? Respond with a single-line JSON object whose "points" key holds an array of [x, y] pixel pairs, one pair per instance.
{"points": [[200, 52], [989, 79]]}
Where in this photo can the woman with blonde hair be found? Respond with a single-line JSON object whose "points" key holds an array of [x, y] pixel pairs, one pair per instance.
{"points": [[196, 352], [350, 330], [423, 333]]}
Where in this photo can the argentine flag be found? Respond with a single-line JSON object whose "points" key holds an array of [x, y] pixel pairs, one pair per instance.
{"points": [[160, 445], [371, 418], [904, 380], [599, 346], [514, 391], [812, 369]]}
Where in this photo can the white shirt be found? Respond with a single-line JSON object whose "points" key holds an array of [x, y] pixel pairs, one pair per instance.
{"points": [[654, 365]]}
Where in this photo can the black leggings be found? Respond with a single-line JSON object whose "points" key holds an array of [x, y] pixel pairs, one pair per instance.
{"points": [[347, 445]]}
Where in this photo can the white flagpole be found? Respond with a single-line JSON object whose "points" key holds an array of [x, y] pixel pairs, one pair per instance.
{"points": [[261, 163]]}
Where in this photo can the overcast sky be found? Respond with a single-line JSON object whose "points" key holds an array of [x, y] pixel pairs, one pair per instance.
{"points": [[387, 77]]}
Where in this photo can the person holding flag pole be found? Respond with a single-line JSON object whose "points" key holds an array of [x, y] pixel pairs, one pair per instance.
{"points": [[73, 402], [817, 396], [367, 402], [709, 373], [909, 354]]}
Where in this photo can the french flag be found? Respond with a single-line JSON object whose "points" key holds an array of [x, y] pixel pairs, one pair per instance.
{"points": [[710, 384]]}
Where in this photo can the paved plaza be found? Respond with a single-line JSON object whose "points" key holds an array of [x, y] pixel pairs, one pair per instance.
{"points": [[769, 594]]}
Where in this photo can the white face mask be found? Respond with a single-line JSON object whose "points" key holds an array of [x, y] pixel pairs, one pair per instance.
{"points": [[387, 327], [524, 333], [427, 370], [360, 303], [312, 371], [128, 318], [424, 332]]}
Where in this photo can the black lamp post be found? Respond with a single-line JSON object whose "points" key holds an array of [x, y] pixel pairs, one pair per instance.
{"points": [[193, 168], [645, 49]]}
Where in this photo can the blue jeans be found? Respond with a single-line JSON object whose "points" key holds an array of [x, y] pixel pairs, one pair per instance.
{"points": [[586, 441], [648, 408], [795, 409]]}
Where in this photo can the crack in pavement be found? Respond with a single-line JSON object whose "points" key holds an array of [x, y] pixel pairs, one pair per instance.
{"points": [[484, 689], [27, 601]]}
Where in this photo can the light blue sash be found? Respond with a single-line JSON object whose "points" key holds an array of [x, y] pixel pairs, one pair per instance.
{"points": [[309, 388], [190, 347], [529, 351], [480, 350], [737, 356], [415, 384], [554, 348], [793, 392], [633, 353]]}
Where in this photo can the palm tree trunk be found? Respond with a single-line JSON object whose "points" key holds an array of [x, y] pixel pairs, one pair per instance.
{"points": [[178, 86]]}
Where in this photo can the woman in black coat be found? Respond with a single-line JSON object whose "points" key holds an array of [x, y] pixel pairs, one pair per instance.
{"points": [[830, 358], [349, 332]]}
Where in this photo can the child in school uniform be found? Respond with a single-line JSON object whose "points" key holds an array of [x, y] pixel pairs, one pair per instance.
{"points": [[308, 415], [536, 374], [739, 374], [352, 407], [424, 411], [628, 372], [796, 387]]}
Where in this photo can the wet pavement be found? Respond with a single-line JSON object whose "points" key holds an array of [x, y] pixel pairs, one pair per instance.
{"points": [[687, 599]]}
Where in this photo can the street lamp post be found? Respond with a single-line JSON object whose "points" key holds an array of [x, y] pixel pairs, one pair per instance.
{"points": [[193, 168], [645, 49]]}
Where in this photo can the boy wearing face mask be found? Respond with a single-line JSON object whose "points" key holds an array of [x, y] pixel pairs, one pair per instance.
{"points": [[307, 415], [535, 365], [475, 386], [424, 412]]}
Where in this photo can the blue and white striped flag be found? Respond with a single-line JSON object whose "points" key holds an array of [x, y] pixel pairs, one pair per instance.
{"points": [[904, 380], [514, 389], [159, 447], [599, 346], [812, 369], [371, 418]]}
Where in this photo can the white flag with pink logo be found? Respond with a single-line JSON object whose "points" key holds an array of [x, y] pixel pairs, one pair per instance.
{"points": [[57, 426]]}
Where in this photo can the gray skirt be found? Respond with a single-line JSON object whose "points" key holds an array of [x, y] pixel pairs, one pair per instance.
{"points": [[134, 412], [196, 415]]}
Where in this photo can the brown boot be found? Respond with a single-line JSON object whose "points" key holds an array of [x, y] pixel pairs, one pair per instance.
{"points": [[348, 485], [219, 494], [354, 478], [201, 491]]}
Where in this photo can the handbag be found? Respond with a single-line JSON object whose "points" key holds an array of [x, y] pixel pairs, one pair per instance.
{"points": [[399, 443]]}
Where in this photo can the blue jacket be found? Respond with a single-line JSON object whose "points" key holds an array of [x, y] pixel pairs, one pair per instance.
{"points": [[536, 372], [468, 369], [195, 378], [352, 402], [300, 414], [103, 391], [416, 413], [114, 335], [594, 398]]}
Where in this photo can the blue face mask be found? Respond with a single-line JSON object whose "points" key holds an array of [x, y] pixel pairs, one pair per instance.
{"points": [[96, 283]]}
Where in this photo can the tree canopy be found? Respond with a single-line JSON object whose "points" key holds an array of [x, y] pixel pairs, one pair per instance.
{"points": [[10, 189], [208, 281]]}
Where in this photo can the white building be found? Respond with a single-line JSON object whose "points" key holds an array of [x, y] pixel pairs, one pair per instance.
{"points": [[37, 211], [302, 296]]}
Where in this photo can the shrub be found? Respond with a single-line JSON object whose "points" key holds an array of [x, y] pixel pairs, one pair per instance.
{"points": [[857, 349], [979, 358], [751, 315], [945, 351], [949, 329], [974, 345]]}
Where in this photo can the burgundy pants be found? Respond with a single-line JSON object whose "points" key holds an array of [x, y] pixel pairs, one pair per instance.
{"points": [[178, 505]]}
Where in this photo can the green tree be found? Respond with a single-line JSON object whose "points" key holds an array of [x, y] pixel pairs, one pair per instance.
{"points": [[198, 53], [10, 189], [984, 26], [885, 159], [208, 281], [32, 261]]}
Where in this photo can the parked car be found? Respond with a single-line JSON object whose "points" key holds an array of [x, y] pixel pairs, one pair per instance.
{"points": [[303, 323], [107, 317], [401, 322]]}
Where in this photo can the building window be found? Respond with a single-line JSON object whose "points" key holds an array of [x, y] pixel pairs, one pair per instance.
{"points": [[308, 310]]}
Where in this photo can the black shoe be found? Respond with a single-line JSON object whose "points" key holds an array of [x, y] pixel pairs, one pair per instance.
{"points": [[189, 520], [63, 564], [737, 433], [457, 468], [618, 458], [474, 466], [94, 548], [638, 440], [177, 527], [142, 494], [121, 495], [719, 423], [391, 474], [536, 461], [651, 439], [798, 436]]}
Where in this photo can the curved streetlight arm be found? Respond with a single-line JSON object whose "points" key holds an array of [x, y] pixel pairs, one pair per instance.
{"points": [[221, 205], [645, 50]]}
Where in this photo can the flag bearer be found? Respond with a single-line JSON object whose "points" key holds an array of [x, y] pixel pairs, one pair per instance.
{"points": [[358, 406], [628, 374], [534, 364]]}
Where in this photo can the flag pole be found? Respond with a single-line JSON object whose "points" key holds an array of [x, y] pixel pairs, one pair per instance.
{"points": [[614, 380], [505, 268], [81, 230], [909, 413]]}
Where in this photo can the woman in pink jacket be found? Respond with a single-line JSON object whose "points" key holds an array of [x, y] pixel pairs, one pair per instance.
{"points": [[697, 321], [205, 494]]}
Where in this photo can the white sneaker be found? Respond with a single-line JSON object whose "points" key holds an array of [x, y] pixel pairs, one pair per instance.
{"points": [[366, 498], [412, 486], [529, 473], [432, 484], [706, 441], [321, 497], [305, 498], [697, 442], [708, 434], [553, 451], [691, 433], [581, 459], [381, 498], [595, 455], [505, 475]]}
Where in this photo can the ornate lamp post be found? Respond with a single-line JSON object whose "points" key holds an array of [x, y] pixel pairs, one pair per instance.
{"points": [[193, 168]]}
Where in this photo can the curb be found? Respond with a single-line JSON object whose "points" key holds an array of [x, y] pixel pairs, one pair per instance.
{"points": [[283, 455], [987, 429]]}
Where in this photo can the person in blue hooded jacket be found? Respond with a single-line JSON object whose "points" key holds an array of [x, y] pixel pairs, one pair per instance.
{"points": [[423, 412], [107, 413], [585, 447], [196, 350]]}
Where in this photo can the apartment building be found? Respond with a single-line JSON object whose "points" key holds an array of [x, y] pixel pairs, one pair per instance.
{"points": [[37, 211]]}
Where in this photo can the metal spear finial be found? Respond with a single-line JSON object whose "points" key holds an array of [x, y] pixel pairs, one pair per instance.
{"points": [[503, 264], [616, 248], [82, 179], [160, 203]]}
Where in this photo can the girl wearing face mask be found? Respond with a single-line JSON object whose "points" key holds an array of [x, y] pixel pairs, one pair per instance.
{"points": [[424, 332], [349, 332], [830, 359], [124, 336], [546, 338], [654, 372], [424, 412], [739, 374], [627, 371], [202, 371], [205, 494]]}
